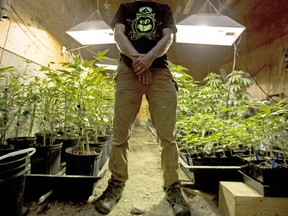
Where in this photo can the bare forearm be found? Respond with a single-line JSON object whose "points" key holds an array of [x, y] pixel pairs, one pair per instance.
{"points": [[162, 46], [144, 61], [124, 45]]}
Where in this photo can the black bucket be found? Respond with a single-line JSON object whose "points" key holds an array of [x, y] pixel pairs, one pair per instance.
{"points": [[13, 168], [67, 142], [47, 159], [21, 142], [103, 146], [79, 164]]}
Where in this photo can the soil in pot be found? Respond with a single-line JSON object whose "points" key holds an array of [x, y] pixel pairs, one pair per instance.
{"points": [[67, 142]]}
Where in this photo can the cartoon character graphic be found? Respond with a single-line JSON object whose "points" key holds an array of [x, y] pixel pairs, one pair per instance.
{"points": [[144, 25]]}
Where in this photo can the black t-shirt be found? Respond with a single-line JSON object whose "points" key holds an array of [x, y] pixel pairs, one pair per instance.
{"points": [[144, 22]]}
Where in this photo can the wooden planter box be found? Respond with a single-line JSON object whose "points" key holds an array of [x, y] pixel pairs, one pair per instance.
{"points": [[238, 199]]}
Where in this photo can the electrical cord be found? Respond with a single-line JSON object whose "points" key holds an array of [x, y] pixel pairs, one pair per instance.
{"points": [[280, 73], [247, 70], [256, 82], [30, 32], [6, 39], [236, 54]]}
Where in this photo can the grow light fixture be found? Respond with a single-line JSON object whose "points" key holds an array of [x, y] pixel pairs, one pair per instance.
{"points": [[5, 6], [208, 28], [92, 31]]}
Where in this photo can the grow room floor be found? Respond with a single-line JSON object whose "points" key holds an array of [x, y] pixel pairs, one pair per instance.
{"points": [[143, 190]]}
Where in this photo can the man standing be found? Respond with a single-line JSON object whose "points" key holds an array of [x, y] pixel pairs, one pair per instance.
{"points": [[144, 31]]}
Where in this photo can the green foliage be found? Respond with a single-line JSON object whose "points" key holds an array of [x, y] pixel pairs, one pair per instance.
{"points": [[217, 116], [214, 115], [272, 121], [5, 103], [85, 95], [76, 100], [15, 101], [187, 90]]}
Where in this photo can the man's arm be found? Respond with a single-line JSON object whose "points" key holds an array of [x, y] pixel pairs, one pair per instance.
{"points": [[122, 42], [144, 61], [125, 47]]}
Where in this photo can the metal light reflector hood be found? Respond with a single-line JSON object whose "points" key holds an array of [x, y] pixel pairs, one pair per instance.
{"points": [[210, 29], [92, 32]]}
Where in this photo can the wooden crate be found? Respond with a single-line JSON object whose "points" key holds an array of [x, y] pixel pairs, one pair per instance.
{"points": [[238, 199]]}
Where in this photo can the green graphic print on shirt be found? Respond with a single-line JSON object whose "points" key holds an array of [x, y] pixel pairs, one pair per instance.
{"points": [[144, 25]]}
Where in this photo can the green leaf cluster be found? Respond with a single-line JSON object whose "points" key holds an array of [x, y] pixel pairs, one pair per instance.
{"points": [[74, 100], [16, 102], [219, 114], [84, 95]]}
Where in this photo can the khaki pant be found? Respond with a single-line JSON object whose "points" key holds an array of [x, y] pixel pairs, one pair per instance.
{"points": [[162, 100]]}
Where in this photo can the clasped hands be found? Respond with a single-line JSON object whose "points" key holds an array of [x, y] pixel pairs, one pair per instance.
{"points": [[141, 68]]}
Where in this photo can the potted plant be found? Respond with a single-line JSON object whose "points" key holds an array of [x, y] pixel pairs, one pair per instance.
{"points": [[6, 101], [44, 119], [208, 117], [15, 107], [89, 88], [21, 108], [216, 100], [76, 101], [268, 171], [99, 116], [67, 129]]}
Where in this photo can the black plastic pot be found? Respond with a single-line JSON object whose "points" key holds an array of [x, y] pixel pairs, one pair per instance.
{"points": [[47, 139], [102, 145], [209, 178], [6, 147], [279, 190], [12, 180], [209, 171], [46, 160], [67, 142], [78, 163], [268, 174], [21, 142]]}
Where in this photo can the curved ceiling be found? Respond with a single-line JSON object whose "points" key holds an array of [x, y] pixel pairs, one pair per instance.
{"points": [[58, 16]]}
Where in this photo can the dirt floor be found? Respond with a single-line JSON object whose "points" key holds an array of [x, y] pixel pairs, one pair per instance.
{"points": [[143, 194]]}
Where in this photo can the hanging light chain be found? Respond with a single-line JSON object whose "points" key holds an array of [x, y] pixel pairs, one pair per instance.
{"points": [[208, 3]]}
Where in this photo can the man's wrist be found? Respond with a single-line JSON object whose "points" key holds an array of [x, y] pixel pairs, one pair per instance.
{"points": [[134, 56], [151, 55]]}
